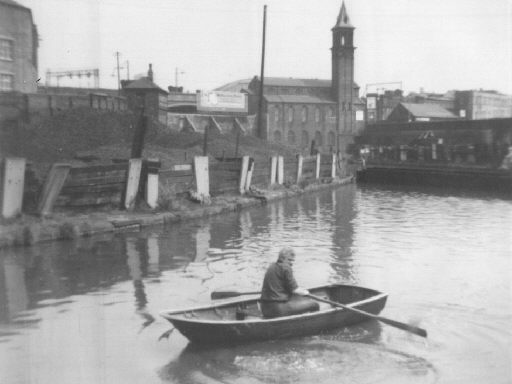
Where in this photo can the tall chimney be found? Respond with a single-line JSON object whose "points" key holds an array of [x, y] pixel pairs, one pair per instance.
{"points": [[150, 72]]}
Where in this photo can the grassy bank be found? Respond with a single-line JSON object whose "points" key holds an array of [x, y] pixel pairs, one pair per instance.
{"points": [[84, 136]]}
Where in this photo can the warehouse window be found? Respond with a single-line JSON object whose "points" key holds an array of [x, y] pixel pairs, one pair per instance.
{"points": [[317, 114], [276, 114], [304, 114], [6, 49], [290, 114]]}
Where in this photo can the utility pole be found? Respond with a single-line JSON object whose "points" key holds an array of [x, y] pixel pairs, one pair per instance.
{"points": [[118, 76], [262, 76], [127, 70]]}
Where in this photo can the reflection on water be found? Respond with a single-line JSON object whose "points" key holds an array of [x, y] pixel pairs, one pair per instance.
{"points": [[87, 310], [307, 360]]}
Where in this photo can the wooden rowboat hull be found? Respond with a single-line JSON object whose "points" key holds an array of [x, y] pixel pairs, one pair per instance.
{"points": [[218, 323]]}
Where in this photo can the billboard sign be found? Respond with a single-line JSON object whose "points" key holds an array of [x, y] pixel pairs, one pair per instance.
{"points": [[217, 101]]}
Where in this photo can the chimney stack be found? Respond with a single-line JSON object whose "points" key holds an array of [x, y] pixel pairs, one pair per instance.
{"points": [[150, 72]]}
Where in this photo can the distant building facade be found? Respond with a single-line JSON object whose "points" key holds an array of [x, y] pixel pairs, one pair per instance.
{"points": [[476, 105], [470, 105], [446, 100], [299, 111], [409, 112], [379, 106], [19, 42]]}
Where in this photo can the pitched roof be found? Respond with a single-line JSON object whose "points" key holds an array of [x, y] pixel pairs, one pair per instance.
{"points": [[145, 84], [301, 99], [239, 85], [343, 20], [235, 86], [428, 110], [291, 82]]}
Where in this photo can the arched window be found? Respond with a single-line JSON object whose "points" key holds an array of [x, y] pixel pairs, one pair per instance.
{"points": [[277, 136], [276, 114], [317, 114], [305, 139], [330, 112], [318, 139], [290, 114], [304, 114], [291, 137], [331, 138]]}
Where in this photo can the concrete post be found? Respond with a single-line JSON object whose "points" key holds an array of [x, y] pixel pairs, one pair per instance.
{"points": [[243, 174], [132, 184], [300, 161], [52, 187], [434, 151], [317, 173], [152, 190], [12, 178], [280, 170], [202, 177], [249, 174], [333, 166], [273, 170], [152, 183]]}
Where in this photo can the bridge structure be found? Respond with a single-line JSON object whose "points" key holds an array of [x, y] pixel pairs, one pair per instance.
{"points": [[442, 153]]}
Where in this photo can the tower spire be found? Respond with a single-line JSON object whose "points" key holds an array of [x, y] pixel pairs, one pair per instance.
{"points": [[343, 20]]}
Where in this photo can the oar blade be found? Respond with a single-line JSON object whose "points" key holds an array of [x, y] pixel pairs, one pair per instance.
{"points": [[406, 327]]}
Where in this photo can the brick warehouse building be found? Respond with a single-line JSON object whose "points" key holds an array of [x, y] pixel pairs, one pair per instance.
{"points": [[298, 111], [18, 48]]}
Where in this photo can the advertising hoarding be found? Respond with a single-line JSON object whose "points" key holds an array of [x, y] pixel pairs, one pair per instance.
{"points": [[217, 101]]}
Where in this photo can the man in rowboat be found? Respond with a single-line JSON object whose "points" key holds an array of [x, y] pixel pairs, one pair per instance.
{"points": [[280, 294]]}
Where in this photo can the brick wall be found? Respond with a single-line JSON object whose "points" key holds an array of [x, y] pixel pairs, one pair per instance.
{"points": [[17, 105]]}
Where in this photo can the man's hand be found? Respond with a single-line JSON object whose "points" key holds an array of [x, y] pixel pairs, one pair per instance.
{"points": [[301, 291]]}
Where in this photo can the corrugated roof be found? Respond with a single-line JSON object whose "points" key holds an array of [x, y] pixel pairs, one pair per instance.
{"points": [[428, 110], [144, 83], [301, 99]]}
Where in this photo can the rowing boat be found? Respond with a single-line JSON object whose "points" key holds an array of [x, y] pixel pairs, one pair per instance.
{"points": [[241, 320]]}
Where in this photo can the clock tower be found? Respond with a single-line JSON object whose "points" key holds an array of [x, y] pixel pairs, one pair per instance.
{"points": [[343, 77]]}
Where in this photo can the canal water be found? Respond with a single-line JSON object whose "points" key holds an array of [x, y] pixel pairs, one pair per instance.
{"points": [[86, 311]]}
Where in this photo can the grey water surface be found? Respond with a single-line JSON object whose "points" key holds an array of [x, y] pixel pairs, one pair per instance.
{"points": [[86, 311]]}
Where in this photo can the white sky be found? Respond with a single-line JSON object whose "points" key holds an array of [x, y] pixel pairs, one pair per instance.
{"points": [[435, 44]]}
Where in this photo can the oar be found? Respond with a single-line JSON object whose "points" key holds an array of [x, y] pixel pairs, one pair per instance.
{"points": [[215, 295], [406, 327]]}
